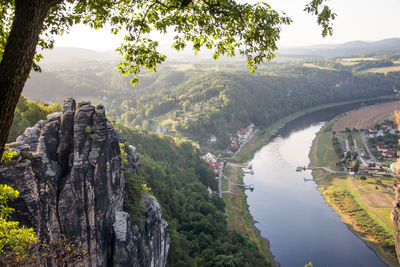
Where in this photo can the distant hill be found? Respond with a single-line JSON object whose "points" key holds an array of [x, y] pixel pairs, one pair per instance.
{"points": [[69, 57], [68, 54], [72, 57], [354, 48]]}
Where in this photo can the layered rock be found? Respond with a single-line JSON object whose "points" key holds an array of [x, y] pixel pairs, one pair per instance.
{"points": [[129, 237], [71, 182]]}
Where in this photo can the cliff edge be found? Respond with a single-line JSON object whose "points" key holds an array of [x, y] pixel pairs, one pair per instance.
{"points": [[69, 173]]}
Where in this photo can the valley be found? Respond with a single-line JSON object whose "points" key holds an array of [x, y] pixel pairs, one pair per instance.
{"points": [[182, 113], [223, 133]]}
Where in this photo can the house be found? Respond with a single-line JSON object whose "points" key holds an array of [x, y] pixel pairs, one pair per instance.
{"points": [[244, 133], [197, 145], [370, 135], [380, 133], [212, 139], [389, 153], [161, 130], [212, 161], [388, 125], [190, 117], [210, 157], [235, 142], [210, 192], [381, 147], [215, 166]]}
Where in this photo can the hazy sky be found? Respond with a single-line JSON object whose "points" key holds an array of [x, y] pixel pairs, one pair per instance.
{"points": [[366, 20]]}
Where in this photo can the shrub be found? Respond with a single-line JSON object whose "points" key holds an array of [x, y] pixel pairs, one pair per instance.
{"points": [[12, 237], [8, 155]]}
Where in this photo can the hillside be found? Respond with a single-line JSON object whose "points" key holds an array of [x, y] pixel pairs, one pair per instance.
{"points": [[199, 104], [179, 179], [353, 48]]}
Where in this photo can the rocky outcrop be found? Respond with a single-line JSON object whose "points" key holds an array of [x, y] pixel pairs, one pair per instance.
{"points": [[69, 173], [128, 237]]}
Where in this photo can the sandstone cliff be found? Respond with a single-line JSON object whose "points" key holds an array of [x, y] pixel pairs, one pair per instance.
{"points": [[70, 176]]}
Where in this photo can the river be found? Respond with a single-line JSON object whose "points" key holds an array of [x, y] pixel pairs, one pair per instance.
{"points": [[292, 214]]}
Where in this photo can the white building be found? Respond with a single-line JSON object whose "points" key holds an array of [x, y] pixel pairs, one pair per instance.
{"points": [[213, 139], [161, 130]]}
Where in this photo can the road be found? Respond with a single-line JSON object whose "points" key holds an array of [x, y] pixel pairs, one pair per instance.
{"points": [[359, 153], [366, 147], [220, 177], [347, 145]]}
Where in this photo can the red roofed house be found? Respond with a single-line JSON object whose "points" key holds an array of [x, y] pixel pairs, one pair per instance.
{"points": [[381, 147], [389, 153]]}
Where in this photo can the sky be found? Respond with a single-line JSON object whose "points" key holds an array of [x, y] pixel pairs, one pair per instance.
{"points": [[366, 20]]}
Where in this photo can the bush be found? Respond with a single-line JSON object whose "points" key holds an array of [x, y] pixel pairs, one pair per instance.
{"points": [[8, 155], [12, 237]]}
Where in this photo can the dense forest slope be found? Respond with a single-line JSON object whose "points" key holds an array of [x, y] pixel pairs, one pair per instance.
{"points": [[197, 223]]}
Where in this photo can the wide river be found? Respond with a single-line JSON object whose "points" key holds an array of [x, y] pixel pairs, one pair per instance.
{"points": [[292, 214]]}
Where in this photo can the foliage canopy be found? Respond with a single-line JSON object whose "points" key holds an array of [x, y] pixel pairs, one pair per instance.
{"points": [[224, 26]]}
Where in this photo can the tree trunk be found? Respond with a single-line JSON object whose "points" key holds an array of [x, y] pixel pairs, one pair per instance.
{"points": [[18, 57]]}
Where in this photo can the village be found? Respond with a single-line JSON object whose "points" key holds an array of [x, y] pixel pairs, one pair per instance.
{"points": [[237, 140], [367, 152], [362, 152]]}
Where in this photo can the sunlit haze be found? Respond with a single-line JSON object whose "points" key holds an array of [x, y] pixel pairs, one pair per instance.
{"points": [[366, 20]]}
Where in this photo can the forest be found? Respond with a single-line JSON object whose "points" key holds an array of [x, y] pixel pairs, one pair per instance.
{"points": [[175, 174], [197, 103]]}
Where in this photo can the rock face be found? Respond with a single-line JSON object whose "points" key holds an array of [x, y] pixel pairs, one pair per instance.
{"points": [[71, 182], [396, 209], [128, 237]]}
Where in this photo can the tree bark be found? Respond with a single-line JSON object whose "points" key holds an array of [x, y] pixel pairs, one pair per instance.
{"points": [[18, 56]]}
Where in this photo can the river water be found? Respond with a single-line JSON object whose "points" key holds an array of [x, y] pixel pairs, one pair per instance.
{"points": [[292, 214]]}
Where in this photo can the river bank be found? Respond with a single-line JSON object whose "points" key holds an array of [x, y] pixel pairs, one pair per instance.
{"points": [[237, 210], [347, 197], [238, 215]]}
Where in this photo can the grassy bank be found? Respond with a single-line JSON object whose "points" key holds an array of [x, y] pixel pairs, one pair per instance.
{"points": [[362, 204], [238, 215]]}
